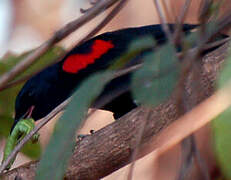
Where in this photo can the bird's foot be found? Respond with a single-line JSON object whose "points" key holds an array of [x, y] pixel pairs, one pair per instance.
{"points": [[22, 128], [81, 136]]}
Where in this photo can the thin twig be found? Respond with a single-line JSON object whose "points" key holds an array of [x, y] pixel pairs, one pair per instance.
{"points": [[137, 145], [187, 157], [184, 11], [18, 81], [201, 162], [180, 20], [140, 133], [107, 19], [163, 20], [204, 10], [166, 11], [215, 44], [196, 94], [188, 65], [59, 35]]}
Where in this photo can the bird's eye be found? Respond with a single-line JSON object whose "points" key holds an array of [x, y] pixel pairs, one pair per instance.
{"points": [[29, 112]]}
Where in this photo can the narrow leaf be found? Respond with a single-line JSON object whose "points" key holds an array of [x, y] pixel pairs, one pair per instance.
{"points": [[55, 159]]}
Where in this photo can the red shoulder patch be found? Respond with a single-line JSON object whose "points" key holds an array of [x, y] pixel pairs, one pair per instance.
{"points": [[76, 62]]}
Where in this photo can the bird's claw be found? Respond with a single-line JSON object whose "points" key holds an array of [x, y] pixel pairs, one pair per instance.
{"points": [[22, 128], [81, 136]]}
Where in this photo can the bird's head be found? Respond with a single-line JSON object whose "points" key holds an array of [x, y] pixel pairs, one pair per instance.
{"points": [[24, 104]]}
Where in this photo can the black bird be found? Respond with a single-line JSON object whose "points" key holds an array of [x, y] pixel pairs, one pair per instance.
{"points": [[47, 89]]}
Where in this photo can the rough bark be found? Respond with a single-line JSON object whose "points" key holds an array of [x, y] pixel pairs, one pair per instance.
{"points": [[111, 147]]}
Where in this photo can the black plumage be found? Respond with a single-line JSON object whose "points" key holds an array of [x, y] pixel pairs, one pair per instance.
{"points": [[53, 85]]}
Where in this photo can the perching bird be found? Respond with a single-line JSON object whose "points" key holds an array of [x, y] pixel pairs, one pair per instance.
{"points": [[49, 88], [46, 90]]}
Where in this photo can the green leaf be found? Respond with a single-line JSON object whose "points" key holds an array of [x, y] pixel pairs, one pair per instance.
{"points": [[155, 81], [222, 135], [55, 159]]}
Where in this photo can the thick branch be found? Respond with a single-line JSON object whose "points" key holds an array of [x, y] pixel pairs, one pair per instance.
{"points": [[111, 147]]}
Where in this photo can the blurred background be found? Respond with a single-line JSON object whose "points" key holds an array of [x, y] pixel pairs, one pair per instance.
{"points": [[25, 24]]}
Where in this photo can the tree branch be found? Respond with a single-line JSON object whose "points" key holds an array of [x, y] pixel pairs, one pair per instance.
{"points": [[111, 147]]}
